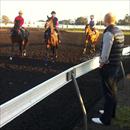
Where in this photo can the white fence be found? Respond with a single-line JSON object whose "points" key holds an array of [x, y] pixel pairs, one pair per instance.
{"points": [[18, 105], [41, 25]]}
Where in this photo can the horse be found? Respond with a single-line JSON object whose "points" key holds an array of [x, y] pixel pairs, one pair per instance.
{"points": [[92, 36], [18, 37], [51, 39]]}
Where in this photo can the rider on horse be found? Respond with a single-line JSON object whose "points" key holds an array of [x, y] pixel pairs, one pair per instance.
{"points": [[18, 23], [55, 24], [91, 23]]}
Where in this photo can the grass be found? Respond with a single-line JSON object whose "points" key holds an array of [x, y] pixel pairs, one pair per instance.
{"points": [[75, 30], [123, 117], [126, 32]]}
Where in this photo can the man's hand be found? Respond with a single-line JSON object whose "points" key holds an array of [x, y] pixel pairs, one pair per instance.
{"points": [[101, 65]]}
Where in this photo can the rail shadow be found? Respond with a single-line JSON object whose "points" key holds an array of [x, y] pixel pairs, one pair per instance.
{"points": [[31, 62]]}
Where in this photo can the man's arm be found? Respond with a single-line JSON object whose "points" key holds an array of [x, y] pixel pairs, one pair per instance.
{"points": [[21, 21], [107, 45]]}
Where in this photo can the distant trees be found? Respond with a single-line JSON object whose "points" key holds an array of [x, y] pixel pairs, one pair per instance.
{"points": [[84, 21], [125, 21], [67, 22], [81, 21], [5, 19], [78, 21], [100, 22]]}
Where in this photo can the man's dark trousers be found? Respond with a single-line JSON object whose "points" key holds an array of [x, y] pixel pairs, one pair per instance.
{"points": [[109, 75]]}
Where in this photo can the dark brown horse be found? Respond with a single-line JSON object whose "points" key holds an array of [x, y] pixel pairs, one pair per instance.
{"points": [[20, 38]]}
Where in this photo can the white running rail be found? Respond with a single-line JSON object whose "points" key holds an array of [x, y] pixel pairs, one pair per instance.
{"points": [[18, 105]]}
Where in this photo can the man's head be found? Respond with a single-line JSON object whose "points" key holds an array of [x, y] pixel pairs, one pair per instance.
{"points": [[53, 13], [91, 17], [109, 19], [20, 13]]}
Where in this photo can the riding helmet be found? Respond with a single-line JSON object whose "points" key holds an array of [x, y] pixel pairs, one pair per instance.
{"points": [[53, 12]]}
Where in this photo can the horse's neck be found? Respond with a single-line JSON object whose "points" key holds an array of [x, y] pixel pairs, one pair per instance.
{"points": [[52, 28], [88, 30]]}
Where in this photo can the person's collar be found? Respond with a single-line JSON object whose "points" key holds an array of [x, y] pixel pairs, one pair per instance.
{"points": [[107, 25]]}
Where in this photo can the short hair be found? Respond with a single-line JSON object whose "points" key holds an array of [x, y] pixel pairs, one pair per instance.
{"points": [[110, 18]]}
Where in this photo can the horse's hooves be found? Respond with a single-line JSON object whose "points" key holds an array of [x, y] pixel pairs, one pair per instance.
{"points": [[11, 58], [53, 61], [24, 54], [84, 53]]}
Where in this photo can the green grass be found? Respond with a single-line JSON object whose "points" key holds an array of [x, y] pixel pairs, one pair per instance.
{"points": [[127, 32], [82, 31], [123, 117]]}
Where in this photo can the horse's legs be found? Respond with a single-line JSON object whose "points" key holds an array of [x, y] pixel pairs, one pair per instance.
{"points": [[20, 48], [12, 51], [56, 53], [46, 55], [85, 46], [47, 49], [12, 48], [92, 48], [53, 53], [24, 47]]}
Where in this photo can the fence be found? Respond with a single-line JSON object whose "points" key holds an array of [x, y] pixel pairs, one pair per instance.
{"points": [[18, 105], [62, 26]]}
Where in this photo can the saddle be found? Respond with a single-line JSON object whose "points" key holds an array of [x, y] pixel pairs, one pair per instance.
{"points": [[19, 32], [47, 33]]}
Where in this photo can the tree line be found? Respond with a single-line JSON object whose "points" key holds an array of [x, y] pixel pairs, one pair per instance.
{"points": [[84, 21], [79, 21]]}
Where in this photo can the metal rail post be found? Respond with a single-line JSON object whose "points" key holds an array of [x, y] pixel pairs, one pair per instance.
{"points": [[80, 99], [123, 73]]}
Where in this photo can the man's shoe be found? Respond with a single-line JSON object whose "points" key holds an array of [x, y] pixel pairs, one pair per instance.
{"points": [[101, 111], [97, 121]]}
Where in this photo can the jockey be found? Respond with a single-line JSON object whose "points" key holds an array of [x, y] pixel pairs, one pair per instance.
{"points": [[55, 20], [55, 24], [91, 23], [18, 22]]}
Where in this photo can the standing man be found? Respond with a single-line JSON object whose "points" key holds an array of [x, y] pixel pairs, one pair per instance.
{"points": [[110, 59]]}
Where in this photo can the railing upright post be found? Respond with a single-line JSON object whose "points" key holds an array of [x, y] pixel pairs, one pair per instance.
{"points": [[123, 73], [81, 100]]}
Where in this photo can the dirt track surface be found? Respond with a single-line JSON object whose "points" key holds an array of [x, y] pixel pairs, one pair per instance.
{"points": [[21, 74], [61, 110]]}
